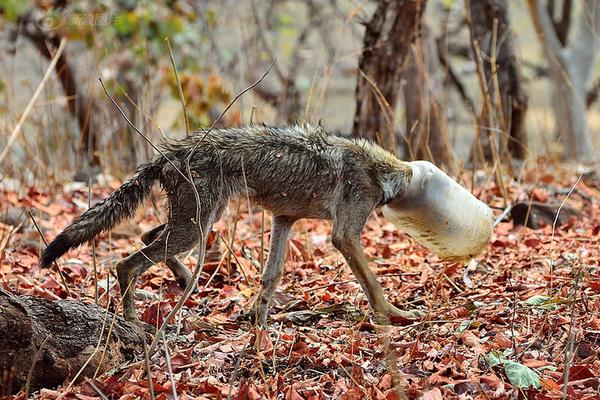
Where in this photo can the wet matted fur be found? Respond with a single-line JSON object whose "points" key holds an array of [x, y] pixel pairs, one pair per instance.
{"points": [[294, 172]]}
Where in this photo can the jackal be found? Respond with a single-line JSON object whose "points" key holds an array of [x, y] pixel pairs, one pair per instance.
{"points": [[294, 172]]}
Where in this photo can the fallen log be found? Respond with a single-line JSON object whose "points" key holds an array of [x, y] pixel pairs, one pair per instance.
{"points": [[51, 341], [536, 215]]}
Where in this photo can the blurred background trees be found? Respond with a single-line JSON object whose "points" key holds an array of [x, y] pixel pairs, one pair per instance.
{"points": [[458, 82]]}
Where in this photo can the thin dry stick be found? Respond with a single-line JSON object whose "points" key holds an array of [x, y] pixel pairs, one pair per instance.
{"points": [[556, 220], [93, 246], [169, 369], [36, 357], [208, 282], [142, 112], [109, 333], [201, 253], [235, 371], [37, 227], [96, 388], [232, 238], [85, 364], [230, 252], [571, 336], [487, 109], [229, 106], [34, 98], [148, 370], [262, 240], [140, 132], [183, 105], [388, 113]]}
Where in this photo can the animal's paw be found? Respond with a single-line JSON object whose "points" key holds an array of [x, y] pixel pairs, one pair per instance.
{"points": [[396, 316], [141, 326]]}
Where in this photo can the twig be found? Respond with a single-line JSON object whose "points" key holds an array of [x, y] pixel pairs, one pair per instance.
{"points": [[93, 246], [37, 227], [183, 105], [140, 132], [36, 357], [208, 282], [34, 98], [262, 240], [229, 106], [110, 329], [201, 253], [502, 215], [556, 220], [562, 205], [169, 369], [96, 388], [232, 239], [231, 253], [570, 336], [235, 371], [148, 371], [85, 364]]}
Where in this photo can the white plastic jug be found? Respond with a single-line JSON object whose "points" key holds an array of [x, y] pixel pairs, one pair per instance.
{"points": [[441, 214]]}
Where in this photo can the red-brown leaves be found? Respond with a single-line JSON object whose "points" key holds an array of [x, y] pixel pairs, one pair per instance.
{"points": [[530, 294]]}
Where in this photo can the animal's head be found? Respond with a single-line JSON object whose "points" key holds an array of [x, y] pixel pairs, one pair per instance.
{"points": [[440, 214]]}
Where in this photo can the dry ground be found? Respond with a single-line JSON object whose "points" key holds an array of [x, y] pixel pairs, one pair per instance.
{"points": [[499, 327]]}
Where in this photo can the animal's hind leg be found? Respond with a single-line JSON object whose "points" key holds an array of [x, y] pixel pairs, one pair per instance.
{"points": [[174, 239], [181, 272], [271, 276]]}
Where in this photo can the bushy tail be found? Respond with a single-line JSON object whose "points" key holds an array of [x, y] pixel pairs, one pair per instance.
{"points": [[117, 207]]}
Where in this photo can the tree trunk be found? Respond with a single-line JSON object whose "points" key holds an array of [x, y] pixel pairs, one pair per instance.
{"points": [[513, 99], [79, 105], [562, 22], [53, 340], [570, 69], [424, 97], [386, 44]]}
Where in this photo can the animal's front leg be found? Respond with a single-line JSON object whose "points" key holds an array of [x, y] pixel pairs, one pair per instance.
{"points": [[273, 270], [346, 238]]}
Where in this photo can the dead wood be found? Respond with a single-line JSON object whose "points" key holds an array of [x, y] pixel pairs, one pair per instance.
{"points": [[537, 215], [68, 333]]}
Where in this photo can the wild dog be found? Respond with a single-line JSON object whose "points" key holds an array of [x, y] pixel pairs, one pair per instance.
{"points": [[294, 172]]}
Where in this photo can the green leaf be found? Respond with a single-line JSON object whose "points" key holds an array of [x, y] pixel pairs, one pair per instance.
{"points": [[521, 376], [13, 9], [211, 19], [495, 358], [170, 26], [126, 23], [537, 300], [463, 326]]}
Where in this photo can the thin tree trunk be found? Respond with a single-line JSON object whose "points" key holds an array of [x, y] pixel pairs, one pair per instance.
{"points": [[79, 106], [386, 44], [424, 97], [570, 69], [513, 99], [561, 23]]}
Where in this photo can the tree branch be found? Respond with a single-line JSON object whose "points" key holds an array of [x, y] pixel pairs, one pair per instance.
{"points": [[545, 31]]}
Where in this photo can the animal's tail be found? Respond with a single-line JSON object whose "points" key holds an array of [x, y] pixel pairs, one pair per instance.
{"points": [[117, 207]]}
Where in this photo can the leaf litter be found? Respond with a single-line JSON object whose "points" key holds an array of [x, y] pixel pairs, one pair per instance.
{"points": [[498, 327]]}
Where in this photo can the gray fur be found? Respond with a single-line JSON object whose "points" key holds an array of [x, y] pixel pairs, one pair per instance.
{"points": [[295, 172]]}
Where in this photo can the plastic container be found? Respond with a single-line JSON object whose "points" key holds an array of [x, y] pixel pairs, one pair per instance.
{"points": [[441, 214]]}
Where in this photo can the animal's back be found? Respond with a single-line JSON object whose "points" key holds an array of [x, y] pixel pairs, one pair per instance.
{"points": [[294, 170]]}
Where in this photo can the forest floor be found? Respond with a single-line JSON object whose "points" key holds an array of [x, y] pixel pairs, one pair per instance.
{"points": [[509, 324]]}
